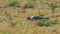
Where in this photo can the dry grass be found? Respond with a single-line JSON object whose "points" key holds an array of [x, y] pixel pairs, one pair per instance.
{"points": [[23, 26]]}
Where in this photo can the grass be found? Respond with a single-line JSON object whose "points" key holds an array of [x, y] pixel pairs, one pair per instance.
{"points": [[18, 25], [13, 3], [47, 22], [20, 22], [39, 12], [2, 18], [30, 4], [44, 23], [6, 13], [53, 6], [14, 22], [4, 32]]}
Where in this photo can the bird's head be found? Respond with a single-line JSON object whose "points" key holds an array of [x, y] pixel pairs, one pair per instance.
{"points": [[29, 18]]}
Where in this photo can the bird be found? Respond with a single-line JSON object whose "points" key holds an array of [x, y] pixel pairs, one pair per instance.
{"points": [[36, 18]]}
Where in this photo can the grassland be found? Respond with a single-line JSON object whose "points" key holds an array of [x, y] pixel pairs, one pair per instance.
{"points": [[13, 17]]}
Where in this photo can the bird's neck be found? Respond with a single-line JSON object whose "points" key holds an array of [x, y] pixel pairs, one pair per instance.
{"points": [[32, 16]]}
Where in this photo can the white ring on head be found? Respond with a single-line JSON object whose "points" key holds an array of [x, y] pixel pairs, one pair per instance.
{"points": [[32, 16]]}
